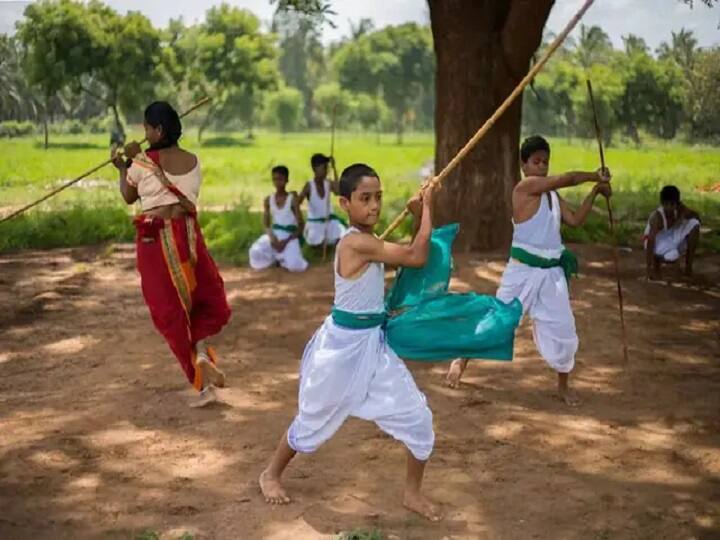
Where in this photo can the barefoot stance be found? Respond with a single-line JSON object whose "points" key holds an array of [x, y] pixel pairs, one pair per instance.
{"points": [[418, 503], [272, 489], [569, 397], [457, 368]]}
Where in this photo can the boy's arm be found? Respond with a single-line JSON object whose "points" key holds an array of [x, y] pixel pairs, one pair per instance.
{"points": [[536, 185], [298, 216], [413, 255], [304, 194], [655, 226], [578, 217], [334, 183], [267, 221]]}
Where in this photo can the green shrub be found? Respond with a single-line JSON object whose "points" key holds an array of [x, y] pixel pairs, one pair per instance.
{"points": [[13, 128]]}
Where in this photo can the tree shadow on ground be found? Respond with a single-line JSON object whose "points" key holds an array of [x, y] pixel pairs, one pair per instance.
{"points": [[99, 442]]}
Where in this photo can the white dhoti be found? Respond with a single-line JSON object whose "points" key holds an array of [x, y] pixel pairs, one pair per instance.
{"points": [[315, 232], [545, 298], [671, 243], [355, 373], [263, 255]]}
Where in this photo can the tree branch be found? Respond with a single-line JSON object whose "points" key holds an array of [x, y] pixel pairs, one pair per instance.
{"points": [[522, 33]]}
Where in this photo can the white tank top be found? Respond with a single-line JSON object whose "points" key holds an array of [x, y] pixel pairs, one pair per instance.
{"points": [[318, 207], [660, 211], [284, 215], [364, 294], [540, 234]]}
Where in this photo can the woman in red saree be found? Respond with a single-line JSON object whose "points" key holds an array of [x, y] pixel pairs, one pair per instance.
{"points": [[180, 282]]}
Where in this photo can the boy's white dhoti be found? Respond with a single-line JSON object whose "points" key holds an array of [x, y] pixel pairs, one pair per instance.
{"points": [[321, 222], [671, 242], [544, 295], [348, 372], [315, 231], [354, 372], [543, 292], [262, 254]]}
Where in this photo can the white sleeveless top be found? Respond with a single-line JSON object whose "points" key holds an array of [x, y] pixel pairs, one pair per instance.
{"points": [[285, 215], [364, 294], [143, 176], [540, 235], [318, 207], [660, 210]]}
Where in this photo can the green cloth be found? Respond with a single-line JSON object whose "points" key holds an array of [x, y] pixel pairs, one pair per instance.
{"points": [[358, 321], [330, 217], [567, 261], [427, 323], [287, 228], [290, 229]]}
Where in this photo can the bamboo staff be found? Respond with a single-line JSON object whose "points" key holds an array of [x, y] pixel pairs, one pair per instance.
{"points": [[499, 112], [66, 185], [328, 195], [616, 258]]}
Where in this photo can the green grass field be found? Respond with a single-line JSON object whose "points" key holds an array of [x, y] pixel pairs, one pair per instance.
{"points": [[236, 178]]}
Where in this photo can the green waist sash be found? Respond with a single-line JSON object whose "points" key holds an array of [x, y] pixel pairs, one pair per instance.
{"points": [[445, 327], [286, 228], [325, 219], [567, 261], [358, 321]]}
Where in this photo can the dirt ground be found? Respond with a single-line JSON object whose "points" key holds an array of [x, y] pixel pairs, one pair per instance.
{"points": [[98, 442]]}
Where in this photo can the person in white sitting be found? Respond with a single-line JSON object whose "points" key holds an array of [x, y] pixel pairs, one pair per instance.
{"points": [[323, 226], [283, 228], [672, 230]]}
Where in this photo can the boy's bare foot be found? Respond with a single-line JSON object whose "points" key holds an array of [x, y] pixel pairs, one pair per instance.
{"points": [[207, 396], [418, 503], [272, 489], [210, 372], [569, 397], [455, 373]]}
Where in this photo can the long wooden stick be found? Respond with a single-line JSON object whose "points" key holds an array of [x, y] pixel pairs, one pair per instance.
{"points": [[87, 173], [328, 195], [499, 112], [616, 258]]}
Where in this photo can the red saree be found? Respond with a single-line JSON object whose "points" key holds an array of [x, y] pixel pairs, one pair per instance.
{"points": [[181, 286]]}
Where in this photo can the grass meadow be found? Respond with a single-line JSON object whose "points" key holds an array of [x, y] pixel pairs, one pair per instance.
{"points": [[236, 178]]}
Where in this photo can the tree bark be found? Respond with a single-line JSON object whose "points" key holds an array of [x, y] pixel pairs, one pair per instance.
{"points": [[483, 49], [45, 122], [118, 123]]}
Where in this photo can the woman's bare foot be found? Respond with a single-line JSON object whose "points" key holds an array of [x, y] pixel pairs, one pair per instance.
{"points": [[272, 489], [209, 370], [455, 373], [207, 396], [418, 503]]}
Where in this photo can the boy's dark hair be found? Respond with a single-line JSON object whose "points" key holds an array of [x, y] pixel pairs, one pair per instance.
{"points": [[161, 113], [531, 145], [318, 159], [351, 176], [669, 194], [281, 169]]}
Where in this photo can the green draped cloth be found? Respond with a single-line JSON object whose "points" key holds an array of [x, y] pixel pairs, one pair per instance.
{"points": [[567, 261], [331, 217], [423, 321]]}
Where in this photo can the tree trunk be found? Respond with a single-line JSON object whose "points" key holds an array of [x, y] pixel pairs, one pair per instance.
{"points": [[118, 123], [483, 49], [399, 128], [45, 123]]}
